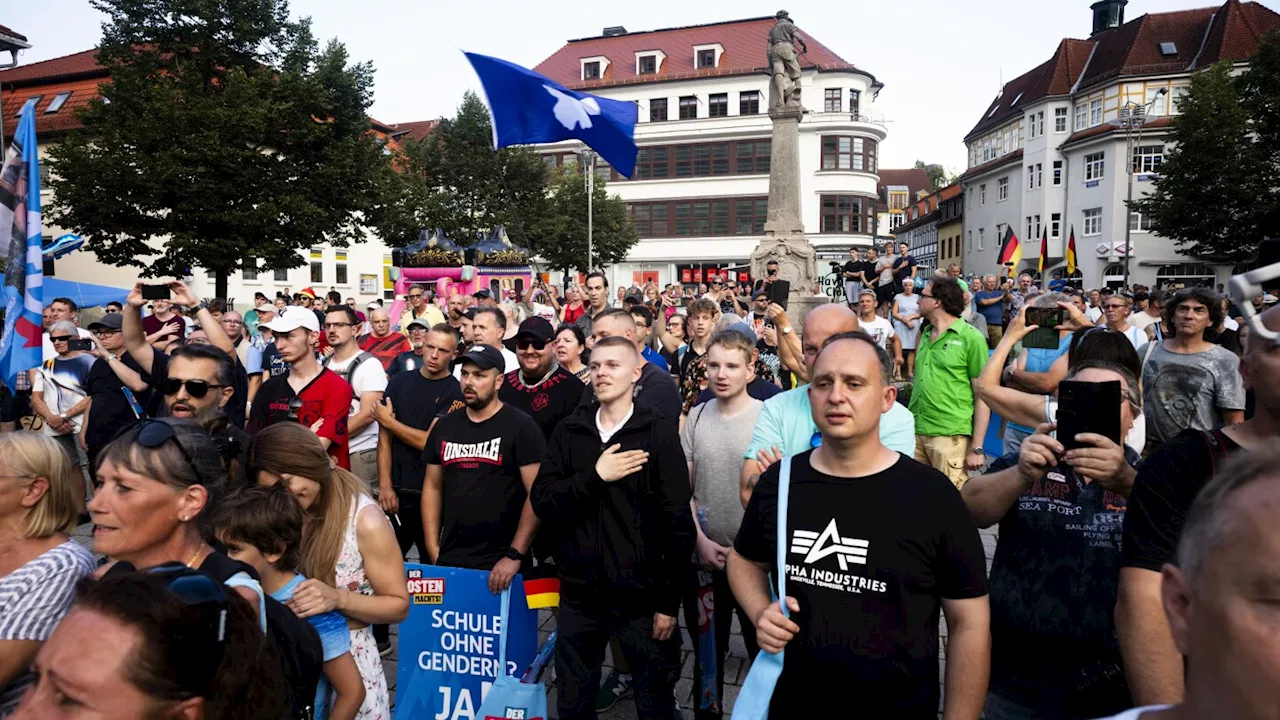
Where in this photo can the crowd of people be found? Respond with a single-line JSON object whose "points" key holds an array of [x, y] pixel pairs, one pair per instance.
{"points": [[256, 481]]}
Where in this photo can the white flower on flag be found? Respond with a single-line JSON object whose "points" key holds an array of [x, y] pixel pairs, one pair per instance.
{"points": [[572, 112]]}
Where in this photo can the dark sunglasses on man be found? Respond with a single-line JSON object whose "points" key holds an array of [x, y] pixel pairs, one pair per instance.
{"points": [[524, 343], [195, 388]]}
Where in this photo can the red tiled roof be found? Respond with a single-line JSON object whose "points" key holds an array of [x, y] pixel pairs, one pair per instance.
{"points": [[416, 130], [82, 91], [915, 179], [1201, 37], [68, 66], [6, 32], [991, 164], [745, 44]]}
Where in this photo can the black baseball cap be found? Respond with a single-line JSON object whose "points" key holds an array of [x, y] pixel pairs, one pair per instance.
{"points": [[110, 321], [485, 357], [469, 313], [482, 293], [761, 294], [536, 328]]}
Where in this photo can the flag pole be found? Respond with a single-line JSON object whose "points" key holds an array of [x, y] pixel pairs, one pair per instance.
{"points": [[591, 193]]}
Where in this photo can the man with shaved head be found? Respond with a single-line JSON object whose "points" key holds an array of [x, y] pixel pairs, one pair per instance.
{"points": [[786, 425], [383, 343], [1167, 483]]}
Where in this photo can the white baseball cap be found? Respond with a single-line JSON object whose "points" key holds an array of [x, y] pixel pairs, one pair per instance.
{"points": [[292, 317]]}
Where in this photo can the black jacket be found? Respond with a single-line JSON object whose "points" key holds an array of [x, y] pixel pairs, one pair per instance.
{"points": [[629, 542]]}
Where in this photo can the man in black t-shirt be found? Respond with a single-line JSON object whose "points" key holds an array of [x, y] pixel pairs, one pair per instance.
{"points": [[116, 389], [481, 462], [1167, 483], [541, 388], [1056, 568], [853, 280], [410, 407], [876, 544]]}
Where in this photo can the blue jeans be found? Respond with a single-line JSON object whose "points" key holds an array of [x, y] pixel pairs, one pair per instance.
{"points": [[1013, 438], [997, 708]]}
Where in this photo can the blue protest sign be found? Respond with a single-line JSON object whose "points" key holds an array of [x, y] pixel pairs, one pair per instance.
{"points": [[449, 643]]}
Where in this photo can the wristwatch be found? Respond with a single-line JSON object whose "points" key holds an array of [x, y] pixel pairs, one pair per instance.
{"points": [[513, 554], [202, 305], [786, 330], [977, 449]]}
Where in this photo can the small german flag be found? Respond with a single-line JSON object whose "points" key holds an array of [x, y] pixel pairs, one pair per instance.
{"points": [[542, 592], [1071, 252], [1011, 251]]}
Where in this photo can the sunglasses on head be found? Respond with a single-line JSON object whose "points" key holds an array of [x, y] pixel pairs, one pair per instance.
{"points": [[200, 592], [524, 343], [195, 388]]}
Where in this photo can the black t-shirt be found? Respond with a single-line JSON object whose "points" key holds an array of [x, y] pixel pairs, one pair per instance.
{"points": [[110, 409], [407, 361], [869, 561], [272, 363], [417, 401], [550, 402], [852, 266], [1168, 481], [688, 357], [868, 267], [234, 409], [483, 493], [1054, 581], [903, 270]]}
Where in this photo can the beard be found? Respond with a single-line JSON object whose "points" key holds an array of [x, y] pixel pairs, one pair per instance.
{"points": [[479, 400]]}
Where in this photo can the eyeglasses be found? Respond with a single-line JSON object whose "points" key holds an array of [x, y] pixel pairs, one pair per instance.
{"points": [[336, 326], [60, 338], [1114, 306], [105, 333], [927, 295], [415, 295], [195, 388], [524, 343], [232, 322]]}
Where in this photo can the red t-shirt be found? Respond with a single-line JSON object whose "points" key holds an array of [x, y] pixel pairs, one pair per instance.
{"points": [[385, 348], [571, 314], [328, 396]]}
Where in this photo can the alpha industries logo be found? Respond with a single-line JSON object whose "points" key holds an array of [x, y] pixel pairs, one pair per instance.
{"points": [[489, 451], [816, 546]]}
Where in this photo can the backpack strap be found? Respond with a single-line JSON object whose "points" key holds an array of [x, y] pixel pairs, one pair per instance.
{"points": [[351, 368], [784, 491]]}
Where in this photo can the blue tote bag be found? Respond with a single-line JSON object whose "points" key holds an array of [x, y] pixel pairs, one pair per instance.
{"points": [[509, 697], [757, 689]]}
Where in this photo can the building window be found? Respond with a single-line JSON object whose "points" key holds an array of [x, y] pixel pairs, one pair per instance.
{"points": [[749, 216], [1057, 172], [847, 214], [250, 270], [1055, 225], [1095, 112], [1029, 236], [591, 70], [1093, 221], [898, 199], [855, 103], [1082, 116], [708, 217], [689, 107], [982, 194], [1148, 158], [981, 232], [968, 245], [1179, 92], [718, 105], [1031, 126], [652, 163], [1060, 120], [896, 220], [317, 265], [1157, 102], [1040, 122], [368, 284], [1139, 222], [650, 219], [752, 157], [749, 103], [648, 64], [848, 153], [831, 100], [1094, 165], [1039, 227], [970, 194], [281, 275], [707, 58], [658, 110], [1031, 177], [340, 268], [1002, 189], [57, 102]]}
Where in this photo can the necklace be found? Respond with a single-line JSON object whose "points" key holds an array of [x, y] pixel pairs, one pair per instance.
{"points": [[190, 562]]}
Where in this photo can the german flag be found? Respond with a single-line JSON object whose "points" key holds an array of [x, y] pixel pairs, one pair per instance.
{"points": [[542, 592], [1044, 249], [1071, 252], [1011, 251]]}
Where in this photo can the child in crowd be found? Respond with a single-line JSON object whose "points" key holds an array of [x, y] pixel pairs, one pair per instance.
{"points": [[262, 527]]}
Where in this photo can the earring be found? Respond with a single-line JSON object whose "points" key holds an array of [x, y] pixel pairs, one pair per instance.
{"points": [[183, 518]]}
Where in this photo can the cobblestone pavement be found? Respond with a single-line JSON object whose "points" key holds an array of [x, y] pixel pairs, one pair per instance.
{"points": [[736, 665]]}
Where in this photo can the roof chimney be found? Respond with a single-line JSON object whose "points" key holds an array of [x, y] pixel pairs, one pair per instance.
{"points": [[1107, 14], [615, 31]]}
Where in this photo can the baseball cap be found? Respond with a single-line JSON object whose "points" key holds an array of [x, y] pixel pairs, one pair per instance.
{"points": [[761, 294], [293, 317], [469, 313], [634, 297], [110, 321], [485, 357], [536, 328], [742, 327], [482, 293], [420, 322], [373, 305]]}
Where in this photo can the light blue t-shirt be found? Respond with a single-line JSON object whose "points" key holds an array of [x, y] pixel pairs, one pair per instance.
{"points": [[786, 422], [253, 359], [335, 641], [1040, 360]]}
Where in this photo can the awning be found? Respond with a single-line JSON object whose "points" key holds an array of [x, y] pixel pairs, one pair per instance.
{"points": [[84, 294]]}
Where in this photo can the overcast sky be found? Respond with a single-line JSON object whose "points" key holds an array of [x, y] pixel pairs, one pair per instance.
{"points": [[941, 61]]}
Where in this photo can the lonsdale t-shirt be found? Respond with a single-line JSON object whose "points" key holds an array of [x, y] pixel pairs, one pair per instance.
{"points": [[869, 560], [327, 396], [482, 494]]}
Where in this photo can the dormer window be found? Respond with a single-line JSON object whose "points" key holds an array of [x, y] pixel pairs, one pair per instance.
{"points": [[593, 68], [649, 62], [707, 56]]}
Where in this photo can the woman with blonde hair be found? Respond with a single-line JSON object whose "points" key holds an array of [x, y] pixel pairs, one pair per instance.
{"points": [[39, 564], [349, 551]]}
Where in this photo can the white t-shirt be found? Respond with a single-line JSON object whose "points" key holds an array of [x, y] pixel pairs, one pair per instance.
{"points": [[368, 377], [1229, 323], [1141, 320], [880, 329], [513, 363], [1093, 314], [1136, 336], [49, 353], [1137, 713]]}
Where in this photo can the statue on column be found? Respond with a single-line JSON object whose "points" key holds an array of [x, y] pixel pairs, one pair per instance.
{"points": [[784, 64]]}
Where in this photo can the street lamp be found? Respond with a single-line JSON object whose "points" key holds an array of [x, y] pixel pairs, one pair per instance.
{"points": [[589, 160], [1132, 117]]}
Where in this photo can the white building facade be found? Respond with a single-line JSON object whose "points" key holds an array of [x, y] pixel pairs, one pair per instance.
{"points": [[699, 195]]}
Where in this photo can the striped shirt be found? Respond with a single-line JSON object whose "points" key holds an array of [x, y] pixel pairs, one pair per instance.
{"points": [[33, 600]]}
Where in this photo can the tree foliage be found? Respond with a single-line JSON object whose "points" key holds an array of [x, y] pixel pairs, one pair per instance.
{"points": [[226, 133], [938, 175], [1218, 192], [563, 235]]}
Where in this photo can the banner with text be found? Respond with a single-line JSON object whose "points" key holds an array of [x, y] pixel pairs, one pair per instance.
{"points": [[448, 645]]}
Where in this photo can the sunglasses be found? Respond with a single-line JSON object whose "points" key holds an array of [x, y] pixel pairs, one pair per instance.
{"points": [[295, 405], [524, 343], [60, 338], [199, 592], [154, 433], [195, 388]]}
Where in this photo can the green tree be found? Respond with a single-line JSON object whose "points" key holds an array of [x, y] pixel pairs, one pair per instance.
{"points": [[1218, 191], [938, 176], [225, 133], [563, 234], [453, 180]]}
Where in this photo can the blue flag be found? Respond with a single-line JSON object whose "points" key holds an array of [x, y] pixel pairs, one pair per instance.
{"points": [[21, 347], [529, 108]]}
